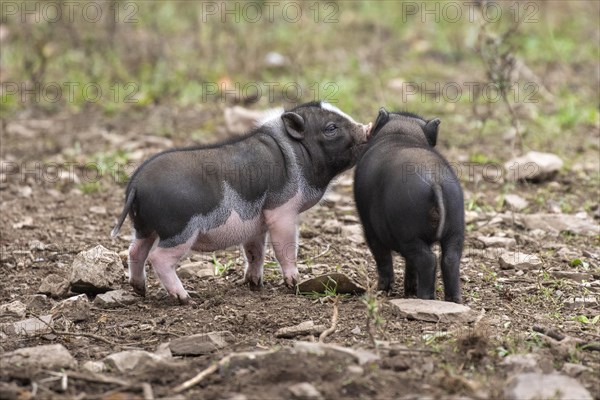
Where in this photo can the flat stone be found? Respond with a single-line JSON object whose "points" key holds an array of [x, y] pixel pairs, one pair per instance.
{"points": [[573, 276], [38, 302], [304, 391], [76, 308], [515, 202], [51, 356], [28, 327], [581, 302], [338, 282], [532, 386], [518, 260], [130, 360], [16, 308], [323, 349], [556, 223], [533, 166], [201, 343], [302, 329], [97, 270], [196, 270], [432, 310], [497, 241], [54, 286], [115, 299]]}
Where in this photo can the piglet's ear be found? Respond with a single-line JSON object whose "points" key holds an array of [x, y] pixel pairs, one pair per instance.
{"points": [[294, 125], [381, 120], [431, 131]]}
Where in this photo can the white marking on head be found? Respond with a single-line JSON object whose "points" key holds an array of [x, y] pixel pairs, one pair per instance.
{"points": [[329, 107]]}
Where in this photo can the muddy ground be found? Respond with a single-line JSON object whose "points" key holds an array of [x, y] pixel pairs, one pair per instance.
{"points": [[443, 360]]}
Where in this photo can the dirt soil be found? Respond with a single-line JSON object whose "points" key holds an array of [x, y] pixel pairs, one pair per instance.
{"points": [[417, 359]]}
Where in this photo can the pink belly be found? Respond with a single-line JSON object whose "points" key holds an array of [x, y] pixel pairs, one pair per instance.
{"points": [[233, 232]]}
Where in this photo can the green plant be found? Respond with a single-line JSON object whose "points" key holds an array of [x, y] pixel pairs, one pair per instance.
{"points": [[220, 268], [585, 320]]}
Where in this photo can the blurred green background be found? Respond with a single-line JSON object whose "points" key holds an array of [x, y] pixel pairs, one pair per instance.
{"points": [[358, 54]]}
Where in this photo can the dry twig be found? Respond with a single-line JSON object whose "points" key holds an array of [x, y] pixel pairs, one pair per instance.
{"points": [[334, 321]]}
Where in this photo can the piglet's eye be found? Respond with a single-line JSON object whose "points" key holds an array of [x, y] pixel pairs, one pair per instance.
{"points": [[331, 129]]}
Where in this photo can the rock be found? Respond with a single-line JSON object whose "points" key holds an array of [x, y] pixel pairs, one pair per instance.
{"points": [[38, 302], [163, 350], [581, 302], [397, 363], [100, 210], [556, 223], [332, 226], [27, 327], [130, 360], [115, 299], [302, 329], [432, 310], [26, 223], [51, 356], [522, 362], [76, 308], [533, 166], [97, 270], [353, 233], [355, 370], [574, 370], [196, 270], [54, 286], [497, 241], [304, 391], [16, 308], [337, 282], [93, 366], [573, 276], [515, 202], [331, 198], [531, 385], [356, 331], [518, 260], [322, 349], [201, 343]]}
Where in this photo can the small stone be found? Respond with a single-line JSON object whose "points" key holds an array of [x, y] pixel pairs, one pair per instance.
{"points": [[26, 222], [130, 360], [533, 166], [356, 331], [163, 350], [302, 329], [323, 349], [199, 344], [54, 286], [100, 210], [332, 226], [76, 308], [304, 391], [97, 270], [353, 233], [556, 223], [331, 198], [16, 308], [432, 310], [51, 356], [355, 370], [531, 385], [28, 327], [93, 366], [574, 370], [497, 241], [581, 302], [573, 276], [518, 260], [115, 299], [515, 202], [196, 270], [335, 282], [522, 362], [38, 302]]}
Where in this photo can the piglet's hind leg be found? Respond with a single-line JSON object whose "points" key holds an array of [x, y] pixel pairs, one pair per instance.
{"points": [[138, 252], [254, 249], [164, 261]]}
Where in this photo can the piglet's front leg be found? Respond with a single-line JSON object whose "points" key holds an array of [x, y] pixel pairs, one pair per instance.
{"points": [[284, 239]]}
